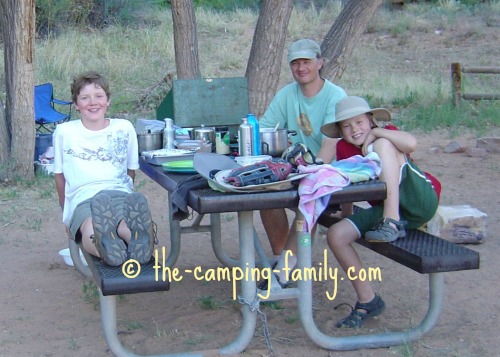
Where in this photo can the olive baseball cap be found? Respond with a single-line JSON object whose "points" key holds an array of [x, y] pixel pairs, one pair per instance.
{"points": [[303, 49], [350, 107]]}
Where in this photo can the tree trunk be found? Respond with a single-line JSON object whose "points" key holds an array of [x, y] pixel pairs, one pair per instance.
{"points": [[343, 36], [264, 63], [185, 40], [18, 127]]}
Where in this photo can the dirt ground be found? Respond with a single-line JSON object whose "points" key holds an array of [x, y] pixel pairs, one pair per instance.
{"points": [[46, 310], [49, 309]]}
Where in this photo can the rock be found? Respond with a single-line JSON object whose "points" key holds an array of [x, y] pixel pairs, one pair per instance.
{"points": [[477, 152], [459, 224], [489, 144], [453, 148], [434, 150]]}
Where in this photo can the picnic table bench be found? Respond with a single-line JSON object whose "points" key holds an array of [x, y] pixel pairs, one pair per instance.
{"points": [[419, 251]]}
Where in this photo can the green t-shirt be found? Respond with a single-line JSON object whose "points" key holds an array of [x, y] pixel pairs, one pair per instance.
{"points": [[293, 111]]}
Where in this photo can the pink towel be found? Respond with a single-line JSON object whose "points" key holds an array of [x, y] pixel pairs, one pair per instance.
{"points": [[315, 190]]}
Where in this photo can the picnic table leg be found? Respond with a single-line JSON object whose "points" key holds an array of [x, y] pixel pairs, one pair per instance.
{"points": [[436, 289], [248, 286]]}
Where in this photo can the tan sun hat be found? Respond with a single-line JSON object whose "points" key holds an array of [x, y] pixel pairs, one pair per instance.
{"points": [[350, 107]]}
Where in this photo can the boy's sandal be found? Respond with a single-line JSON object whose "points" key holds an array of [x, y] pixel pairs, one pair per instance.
{"points": [[111, 247], [384, 232], [357, 318], [138, 218]]}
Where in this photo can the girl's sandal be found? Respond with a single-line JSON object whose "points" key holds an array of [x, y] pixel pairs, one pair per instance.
{"points": [[384, 232], [357, 318]]}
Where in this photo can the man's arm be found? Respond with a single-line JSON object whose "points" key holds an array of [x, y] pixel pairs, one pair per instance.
{"points": [[328, 150]]}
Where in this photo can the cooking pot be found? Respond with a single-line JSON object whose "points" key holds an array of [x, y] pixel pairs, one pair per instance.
{"points": [[149, 141], [203, 133], [275, 141]]}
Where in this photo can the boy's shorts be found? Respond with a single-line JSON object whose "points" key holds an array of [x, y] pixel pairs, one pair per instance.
{"points": [[418, 202], [82, 212]]}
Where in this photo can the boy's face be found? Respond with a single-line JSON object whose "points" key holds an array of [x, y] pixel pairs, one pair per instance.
{"points": [[355, 130], [92, 102]]}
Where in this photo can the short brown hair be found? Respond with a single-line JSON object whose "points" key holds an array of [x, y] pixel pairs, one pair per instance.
{"points": [[88, 78]]}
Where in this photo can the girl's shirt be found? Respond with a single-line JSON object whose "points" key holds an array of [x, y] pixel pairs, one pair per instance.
{"points": [[346, 150]]}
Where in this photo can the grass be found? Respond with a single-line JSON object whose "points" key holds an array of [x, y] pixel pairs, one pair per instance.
{"points": [[136, 58]]}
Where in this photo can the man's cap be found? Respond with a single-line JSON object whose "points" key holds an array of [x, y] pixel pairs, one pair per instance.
{"points": [[303, 49], [350, 107]]}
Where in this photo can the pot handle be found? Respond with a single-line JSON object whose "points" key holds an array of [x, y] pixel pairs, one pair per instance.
{"points": [[292, 133], [266, 146]]}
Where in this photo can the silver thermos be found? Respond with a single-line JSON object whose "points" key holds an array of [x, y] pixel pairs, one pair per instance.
{"points": [[245, 133]]}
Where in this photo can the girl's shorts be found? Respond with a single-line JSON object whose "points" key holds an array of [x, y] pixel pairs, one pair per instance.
{"points": [[418, 202]]}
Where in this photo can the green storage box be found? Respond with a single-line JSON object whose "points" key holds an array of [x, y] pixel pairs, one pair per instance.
{"points": [[209, 101]]}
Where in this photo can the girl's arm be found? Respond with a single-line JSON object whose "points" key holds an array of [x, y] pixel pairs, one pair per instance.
{"points": [[403, 141]]}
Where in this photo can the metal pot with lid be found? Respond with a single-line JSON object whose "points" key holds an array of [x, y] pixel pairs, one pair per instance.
{"points": [[204, 133], [275, 141]]}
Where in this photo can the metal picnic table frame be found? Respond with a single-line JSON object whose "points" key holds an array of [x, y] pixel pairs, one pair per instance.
{"points": [[207, 201]]}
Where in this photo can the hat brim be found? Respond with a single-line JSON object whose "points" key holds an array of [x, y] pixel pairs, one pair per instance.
{"points": [[301, 54], [332, 130]]}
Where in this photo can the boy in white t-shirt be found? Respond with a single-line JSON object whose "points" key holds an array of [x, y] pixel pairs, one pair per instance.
{"points": [[94, 165]]}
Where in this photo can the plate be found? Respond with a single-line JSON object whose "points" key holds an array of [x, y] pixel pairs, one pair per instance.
{"points": [[273, 186], [180, 166], [159, 157]]}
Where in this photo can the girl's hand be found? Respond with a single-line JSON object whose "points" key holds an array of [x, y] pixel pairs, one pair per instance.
{"points": [[369, 140]]}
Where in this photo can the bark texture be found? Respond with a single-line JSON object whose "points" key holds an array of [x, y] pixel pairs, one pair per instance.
{"points": [[343, 36], [185, 40], [266, 54], [17, 126]]}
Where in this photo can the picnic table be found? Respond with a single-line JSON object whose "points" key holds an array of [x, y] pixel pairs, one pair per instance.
{"points": [[419, 251]]}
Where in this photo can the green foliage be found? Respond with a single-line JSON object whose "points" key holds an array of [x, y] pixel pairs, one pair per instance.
{"points": [[90, 293], [228, 5], [208, 302]]}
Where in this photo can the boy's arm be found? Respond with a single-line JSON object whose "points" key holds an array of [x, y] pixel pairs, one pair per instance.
{"points": [[403, 141], [60, 185], [131, 173]]}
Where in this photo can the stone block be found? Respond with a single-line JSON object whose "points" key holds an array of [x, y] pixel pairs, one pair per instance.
{"points": [[459, 224]]}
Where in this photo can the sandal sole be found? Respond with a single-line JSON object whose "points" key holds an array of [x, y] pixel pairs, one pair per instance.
{"points": [[138, 219], [111, 248]]}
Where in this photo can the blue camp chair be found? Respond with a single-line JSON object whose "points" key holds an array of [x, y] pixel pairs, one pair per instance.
{"points": [[46, 116]]}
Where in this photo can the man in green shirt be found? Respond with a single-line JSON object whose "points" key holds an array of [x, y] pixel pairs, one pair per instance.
{"points": [[304, 106]]}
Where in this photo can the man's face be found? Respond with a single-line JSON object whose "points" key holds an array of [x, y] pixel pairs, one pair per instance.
{"points": [[305, 70]]}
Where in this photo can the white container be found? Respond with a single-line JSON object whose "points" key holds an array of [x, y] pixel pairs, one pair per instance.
{"points": [[249, 160], [67, 257], [47, 169]]}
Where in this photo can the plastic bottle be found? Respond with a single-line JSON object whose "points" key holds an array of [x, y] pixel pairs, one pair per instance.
{"points": [[168, 134], [245, 133], [252, 120]]}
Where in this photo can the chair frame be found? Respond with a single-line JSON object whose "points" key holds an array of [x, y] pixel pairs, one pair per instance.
{"points": [[46, 114]]}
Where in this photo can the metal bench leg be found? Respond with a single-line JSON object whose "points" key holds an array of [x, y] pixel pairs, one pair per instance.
{"points": [[108, 322], [74, 250], [436, 289], [248, 286]]}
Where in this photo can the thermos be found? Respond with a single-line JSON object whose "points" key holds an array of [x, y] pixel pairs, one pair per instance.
{"points": [[168, 134], [256, 148], [245, 133]]}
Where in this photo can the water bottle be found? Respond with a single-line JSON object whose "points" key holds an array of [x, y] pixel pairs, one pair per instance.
{"points": [[252, 120], [168, 134], [245, 133]]}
